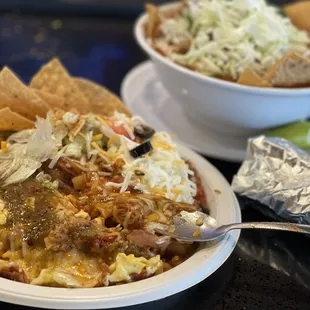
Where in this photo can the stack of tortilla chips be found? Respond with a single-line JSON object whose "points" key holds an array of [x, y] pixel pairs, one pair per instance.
{"points": [[51, 88]]}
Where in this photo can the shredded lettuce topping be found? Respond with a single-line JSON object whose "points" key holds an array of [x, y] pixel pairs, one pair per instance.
{"points": [[102, 145], [229, 36]]}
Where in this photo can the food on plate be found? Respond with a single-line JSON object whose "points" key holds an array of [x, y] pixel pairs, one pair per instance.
{"points": [[248, 42], [298, 133], [88, 199]]}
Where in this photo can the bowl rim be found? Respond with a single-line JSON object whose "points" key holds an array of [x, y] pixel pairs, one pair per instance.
{"points": [[199, 266], [142, 42]]}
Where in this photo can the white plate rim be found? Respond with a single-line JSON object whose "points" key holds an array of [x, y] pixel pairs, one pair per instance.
{"points": [[147, 65], [164, 285]]}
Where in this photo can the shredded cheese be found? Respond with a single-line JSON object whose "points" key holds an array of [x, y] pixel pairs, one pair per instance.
{"points": [[163, 171], [97, 137], [76, 129], [101, 120], [56, 158], [110, 155], [163, 145], [4, 146]]}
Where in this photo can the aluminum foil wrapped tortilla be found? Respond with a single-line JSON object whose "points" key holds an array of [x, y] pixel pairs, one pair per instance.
{"points": [[277, 174]]}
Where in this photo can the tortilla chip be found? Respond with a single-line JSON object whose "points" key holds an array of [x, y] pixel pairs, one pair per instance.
{"points": [[250, 78], [174, 11], [54, 101], [11, 88], [153, 20], [53, 78], [102, 101], [11, 121], [291, 70], [299, 14], [18, 107]]}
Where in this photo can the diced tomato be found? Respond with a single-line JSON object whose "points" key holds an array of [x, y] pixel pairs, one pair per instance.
{"points": [[118, 129]]}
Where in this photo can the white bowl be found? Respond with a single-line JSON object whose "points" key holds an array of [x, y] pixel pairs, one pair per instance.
{"points": [[226, 107], [224, 207]]}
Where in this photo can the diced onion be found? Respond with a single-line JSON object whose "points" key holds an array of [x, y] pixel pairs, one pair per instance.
{"points": [[79, 182]]}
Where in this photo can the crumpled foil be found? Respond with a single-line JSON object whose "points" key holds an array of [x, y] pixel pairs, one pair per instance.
{"points": [[277, 174]]}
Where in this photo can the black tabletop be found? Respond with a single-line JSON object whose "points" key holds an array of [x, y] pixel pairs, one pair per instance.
{"points": [[267, 270]]}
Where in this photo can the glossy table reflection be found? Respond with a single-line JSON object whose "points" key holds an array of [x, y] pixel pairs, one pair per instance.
{"points": [[268, 270]]}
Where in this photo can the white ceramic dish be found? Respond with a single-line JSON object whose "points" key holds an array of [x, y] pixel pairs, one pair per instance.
{"points": [[145, 96], [224, 207], [224, 106]]}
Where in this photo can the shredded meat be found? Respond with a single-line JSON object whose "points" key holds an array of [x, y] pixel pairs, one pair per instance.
{"points": [[85, 236], [143, 239], [139, 276], [72, 168], [62, 176], [140, 252], [200, 198], [12, 272], [106, 242]]}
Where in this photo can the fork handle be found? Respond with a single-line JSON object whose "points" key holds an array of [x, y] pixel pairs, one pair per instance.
{"points": [[299, 228]]}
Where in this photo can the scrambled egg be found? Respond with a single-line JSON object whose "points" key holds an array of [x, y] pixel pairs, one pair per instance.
{"points": [[70, 269], [88, 276], [66, 277], [125, 265]]}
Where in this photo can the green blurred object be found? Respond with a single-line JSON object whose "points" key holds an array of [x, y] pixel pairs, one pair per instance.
{"points": [[282, 11], [297, 133]]}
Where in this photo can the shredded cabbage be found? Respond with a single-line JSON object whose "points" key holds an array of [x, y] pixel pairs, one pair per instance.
{"points": [[21, 137], [74, 149], [228, 36], [41, 145], [91, 123], [25, 155]]}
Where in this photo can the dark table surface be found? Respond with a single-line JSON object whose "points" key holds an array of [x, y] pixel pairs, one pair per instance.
{"points": [[267, 270]]}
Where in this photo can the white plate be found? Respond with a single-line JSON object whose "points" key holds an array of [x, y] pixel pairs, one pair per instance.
{"points": [[144, 94], [224, 207]]}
